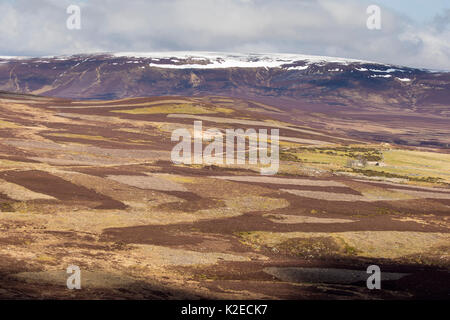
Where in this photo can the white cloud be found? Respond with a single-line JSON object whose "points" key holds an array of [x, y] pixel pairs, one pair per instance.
{"points": [[324, 27]]}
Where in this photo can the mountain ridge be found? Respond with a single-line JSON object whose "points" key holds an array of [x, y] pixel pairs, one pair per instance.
{"points": [[101, 76], [219, 55]]}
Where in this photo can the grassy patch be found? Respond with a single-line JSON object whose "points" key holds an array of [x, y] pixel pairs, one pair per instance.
{"points": [[287, 156], [317, 247], [414, 165], [347, 249], [186, 108], [78, 136], [330, 158], [396, 245], [45, 258], [7, 125], [6, 207], [382, 173], [375, 161], [308, 247]]}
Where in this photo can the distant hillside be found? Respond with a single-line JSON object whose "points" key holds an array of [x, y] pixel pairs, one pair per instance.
{"points": [[334, 88]]}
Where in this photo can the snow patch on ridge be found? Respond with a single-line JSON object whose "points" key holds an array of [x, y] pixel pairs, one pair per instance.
{"points": [[386, 71], [381, 76], [212, 60], [13, 58], [298, 68]]}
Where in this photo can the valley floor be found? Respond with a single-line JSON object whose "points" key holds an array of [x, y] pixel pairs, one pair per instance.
{"points": [[91, 184]]}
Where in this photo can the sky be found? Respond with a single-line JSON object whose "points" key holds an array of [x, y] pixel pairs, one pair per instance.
{"points": [[413, 32], [418, 10]]}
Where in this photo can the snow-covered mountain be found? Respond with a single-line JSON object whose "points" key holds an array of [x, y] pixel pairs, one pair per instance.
{"points": [[212, 60], [131, 74]]}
